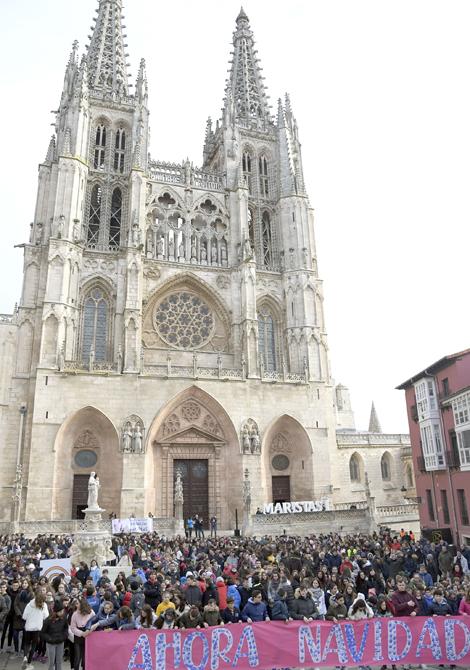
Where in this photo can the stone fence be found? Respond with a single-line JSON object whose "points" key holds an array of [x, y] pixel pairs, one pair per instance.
{"points": [[162, 526]]}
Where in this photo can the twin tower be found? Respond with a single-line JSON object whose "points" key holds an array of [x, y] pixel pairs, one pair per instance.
{"points": [[171, 317]]}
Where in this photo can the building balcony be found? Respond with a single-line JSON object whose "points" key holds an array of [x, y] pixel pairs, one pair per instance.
{"points": [[452, 459]]}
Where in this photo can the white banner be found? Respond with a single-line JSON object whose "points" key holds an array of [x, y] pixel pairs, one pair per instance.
{"points": [[132, 526], [322, 505], [57, 566]]}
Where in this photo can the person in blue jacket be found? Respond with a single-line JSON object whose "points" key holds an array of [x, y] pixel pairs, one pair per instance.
{"points": [[255, 609], [280, 610], [233, 592]]}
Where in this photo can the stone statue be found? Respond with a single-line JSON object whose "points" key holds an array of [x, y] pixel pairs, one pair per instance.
{"points": [[39, 233], [181, 250], [91, 359], [246, 441], [171, 248], [223, 253], [150, 242], [193, 252], [93, 488], [247, 492], [137, 440], [243, 366], [127, 439], [76, 230], [160, 246], [255, 443], [214, 254], [119, 359], [135, 235], [247, 250], [60, 227], [187, 173], [31, 231], [178, 488], [203, 253]]}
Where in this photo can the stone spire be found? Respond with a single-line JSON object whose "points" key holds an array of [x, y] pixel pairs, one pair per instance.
{"points": [[107, 67], [292, 177], [141, 84], [374, 423], [245, 86]]}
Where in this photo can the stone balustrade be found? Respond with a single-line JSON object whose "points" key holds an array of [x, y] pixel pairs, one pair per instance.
{"points": [[174, 173], [345, 439], [405, 509], [162, 526]]}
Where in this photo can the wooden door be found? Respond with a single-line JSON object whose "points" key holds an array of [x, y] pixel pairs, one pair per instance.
{"points": [[281, 489], [195, 478], [79, 495]]}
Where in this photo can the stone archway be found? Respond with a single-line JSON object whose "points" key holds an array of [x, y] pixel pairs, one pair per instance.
{"points": [[87, 441], [194, 427], [288, 461]]}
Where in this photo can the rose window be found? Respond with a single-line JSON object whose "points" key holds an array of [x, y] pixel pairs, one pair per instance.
{"points": [[183, 320]]}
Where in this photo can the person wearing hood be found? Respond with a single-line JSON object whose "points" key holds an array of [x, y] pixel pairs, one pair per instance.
{"points": [[234, 593], [222, 592], [280, 610], [360, 609], [255, 609]]}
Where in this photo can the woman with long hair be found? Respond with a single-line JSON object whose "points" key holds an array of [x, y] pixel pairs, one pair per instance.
{"points": [[34, 615], [464, 607], [147, 618], [55, 633], [78, 622]]}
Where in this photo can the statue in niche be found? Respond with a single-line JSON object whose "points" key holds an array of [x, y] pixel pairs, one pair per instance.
{"points": [[119, 359], [60, 227], [203, 253], [255, 443], [193, 252], [214, 255], [135, 235], [91, 359], [181, 250], [137, 440], [150, 242], [76, 230], [171, 248], [223, 254], [160, 247], [247, 250], [127, 439], [246, 440]]}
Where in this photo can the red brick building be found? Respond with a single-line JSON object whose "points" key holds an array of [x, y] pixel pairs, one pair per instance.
{"points": [[438, 406]]}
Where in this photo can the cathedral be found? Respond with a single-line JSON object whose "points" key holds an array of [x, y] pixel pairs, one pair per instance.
{"points": [[171, 317]]}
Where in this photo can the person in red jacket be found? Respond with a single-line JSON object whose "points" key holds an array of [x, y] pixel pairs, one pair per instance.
{"points": [[402, 602], [222, 591]]}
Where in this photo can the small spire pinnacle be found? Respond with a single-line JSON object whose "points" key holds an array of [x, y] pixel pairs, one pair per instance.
{"points": [[374, 423], [242, 16], [280, 114], [141, 85], [51, 150]]}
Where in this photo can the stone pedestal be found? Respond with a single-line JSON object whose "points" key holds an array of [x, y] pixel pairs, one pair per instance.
{"points": [[93, 540], [179, 520]]}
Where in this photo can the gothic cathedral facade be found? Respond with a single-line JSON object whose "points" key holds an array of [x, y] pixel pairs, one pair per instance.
{"points": [[171, 317]]}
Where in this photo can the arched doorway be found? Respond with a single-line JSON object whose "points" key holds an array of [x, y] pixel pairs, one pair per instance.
{"points": [[288, 462], [193, 434], [87, 441]]}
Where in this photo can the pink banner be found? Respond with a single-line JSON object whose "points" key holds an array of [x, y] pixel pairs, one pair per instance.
{"points": [[436, 640]]}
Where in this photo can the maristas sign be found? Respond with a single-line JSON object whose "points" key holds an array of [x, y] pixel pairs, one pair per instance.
{"points": [[322, 505], [402, 641]]}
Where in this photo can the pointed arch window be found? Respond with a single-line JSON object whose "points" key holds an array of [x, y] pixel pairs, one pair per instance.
{"points": [[116, 217], [247, 163], [100, 147], [94, 218], [95, 326], [386, 469], [267, 339], [266, 236], [119, 150], [354, 468], [263, 177]]}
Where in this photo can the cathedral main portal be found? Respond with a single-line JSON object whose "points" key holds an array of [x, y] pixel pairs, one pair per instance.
{"points": [[195, 479]]}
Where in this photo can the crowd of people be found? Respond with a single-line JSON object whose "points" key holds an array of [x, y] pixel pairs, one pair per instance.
{"points": [[200, 582]]}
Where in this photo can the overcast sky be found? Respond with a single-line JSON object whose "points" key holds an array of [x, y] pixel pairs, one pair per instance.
{"points": [[381, 94]]}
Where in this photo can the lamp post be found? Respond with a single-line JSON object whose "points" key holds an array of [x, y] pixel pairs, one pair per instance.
{"points": [[18, 483]]}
